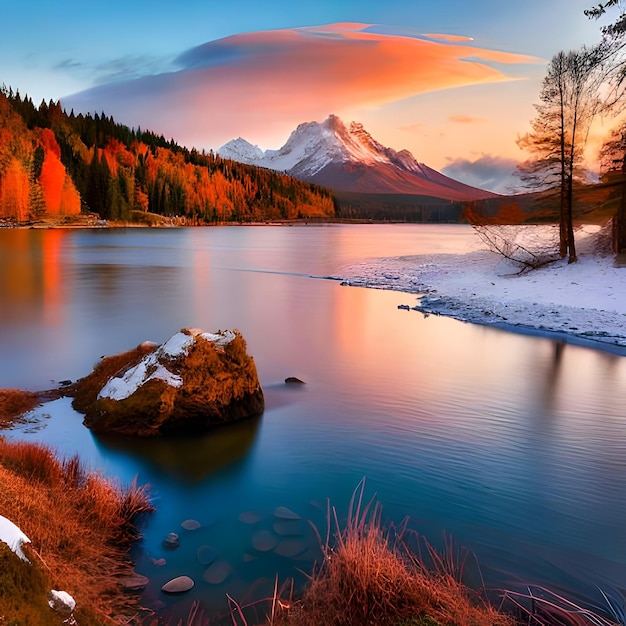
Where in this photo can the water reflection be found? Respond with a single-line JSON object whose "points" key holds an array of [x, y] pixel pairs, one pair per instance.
{"points": [[186, 459], [514, 444]]}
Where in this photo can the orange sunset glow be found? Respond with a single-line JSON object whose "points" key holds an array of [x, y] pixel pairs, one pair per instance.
{"points": [[274, 80]]}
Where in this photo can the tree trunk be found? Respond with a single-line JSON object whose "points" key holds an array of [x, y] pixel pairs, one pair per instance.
{"points": [[619, 239], [571, 244]]}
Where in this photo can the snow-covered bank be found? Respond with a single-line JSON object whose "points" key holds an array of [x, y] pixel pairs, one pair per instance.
{"points": [[584, 301]]}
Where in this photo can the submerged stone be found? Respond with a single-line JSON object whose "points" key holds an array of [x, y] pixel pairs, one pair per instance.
{"points": [[249, 517], [171, 541], [282, 512], [135, 582], [264, 541], [180, 584], [288, 527], [291, 548], [191, 524], [217, 573], [206, 555]]}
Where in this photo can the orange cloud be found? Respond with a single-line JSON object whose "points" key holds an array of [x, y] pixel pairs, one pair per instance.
{"points": [[464, 119], [260, 85], [451, 38]]}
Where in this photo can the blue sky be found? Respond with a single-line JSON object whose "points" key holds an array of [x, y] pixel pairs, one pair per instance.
{"points": [[50, 49], [54, 49]]}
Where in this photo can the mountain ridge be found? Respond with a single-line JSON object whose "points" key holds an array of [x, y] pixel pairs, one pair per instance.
{"points": [[348, 159]]}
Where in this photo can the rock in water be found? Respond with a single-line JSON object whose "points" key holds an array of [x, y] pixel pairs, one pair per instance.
{"points": [[206, 555], [192, 382], [178, 585], [171, 542], [282, 512], [134, 582], [264, 541], [190, 524], [217, 573]]}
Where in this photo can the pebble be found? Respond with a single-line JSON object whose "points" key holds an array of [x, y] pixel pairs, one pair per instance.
{"points": [[135, 582], [282, 512], [291, 548], [179, 584], [249, 517], [217, 573], [171, 541], [264, 541], [191, 524], [206, 555]]}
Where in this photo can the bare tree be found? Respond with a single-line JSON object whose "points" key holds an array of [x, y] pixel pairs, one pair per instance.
{"points": [[569, 102]]}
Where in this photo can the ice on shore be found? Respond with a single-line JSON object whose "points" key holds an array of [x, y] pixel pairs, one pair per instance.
{"points": [[584, 300]]}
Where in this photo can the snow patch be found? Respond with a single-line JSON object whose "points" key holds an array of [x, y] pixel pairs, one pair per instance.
{"points": [[313, 146], [584, 300], [152, 368], [13, 537], [219, 339]]}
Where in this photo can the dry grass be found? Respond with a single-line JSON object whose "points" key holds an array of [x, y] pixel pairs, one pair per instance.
{"points": [[370, 577], [81, 527], [85, 390], [14, 403]]}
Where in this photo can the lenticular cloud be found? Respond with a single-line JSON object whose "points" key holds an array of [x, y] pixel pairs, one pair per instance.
{"points": [[275, 79]]}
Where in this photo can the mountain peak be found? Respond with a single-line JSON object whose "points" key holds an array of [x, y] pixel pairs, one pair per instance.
{"points": [[348, 158]]}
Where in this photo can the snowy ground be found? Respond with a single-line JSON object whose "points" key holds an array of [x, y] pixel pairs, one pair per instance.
{"points": [[581, 302]]}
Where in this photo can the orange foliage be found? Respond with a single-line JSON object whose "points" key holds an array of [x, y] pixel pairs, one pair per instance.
{"points": [[48, 142], [70, 198], [60, 194], [14, 191], [52, 180]]}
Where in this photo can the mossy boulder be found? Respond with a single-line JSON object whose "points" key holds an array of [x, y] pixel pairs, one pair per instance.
{"points": [[192, 382]]}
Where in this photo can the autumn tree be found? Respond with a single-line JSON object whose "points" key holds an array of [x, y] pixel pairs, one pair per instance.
{"points": [[613, 153], [569, 102], [613, 166]]}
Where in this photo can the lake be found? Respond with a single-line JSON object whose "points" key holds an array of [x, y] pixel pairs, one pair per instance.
{"points": [[513, 445]]}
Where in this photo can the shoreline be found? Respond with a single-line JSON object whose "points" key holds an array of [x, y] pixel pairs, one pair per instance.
{"points": [[581, 304]]}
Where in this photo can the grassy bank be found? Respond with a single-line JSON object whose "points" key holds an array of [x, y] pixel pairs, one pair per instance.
{"points": [[14, 403], [81, 527]]}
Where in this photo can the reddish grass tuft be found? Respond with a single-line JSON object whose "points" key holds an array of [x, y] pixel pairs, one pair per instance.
{"points": [[369, 577], [81, 526], [14, 403]]}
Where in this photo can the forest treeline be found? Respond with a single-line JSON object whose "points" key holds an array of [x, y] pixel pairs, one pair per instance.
{"points": [[58, 163]]}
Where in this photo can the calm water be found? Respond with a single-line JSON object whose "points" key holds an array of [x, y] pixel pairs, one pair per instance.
{"points": [[515, 445]]}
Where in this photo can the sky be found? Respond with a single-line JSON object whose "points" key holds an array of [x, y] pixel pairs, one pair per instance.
{"points": [[453, 81]]}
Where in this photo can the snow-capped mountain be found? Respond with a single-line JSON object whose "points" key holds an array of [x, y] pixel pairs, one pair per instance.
{"points": [[350, 159]]}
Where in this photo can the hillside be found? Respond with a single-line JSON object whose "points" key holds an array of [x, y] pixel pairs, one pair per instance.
{"points": [[54, 163]]}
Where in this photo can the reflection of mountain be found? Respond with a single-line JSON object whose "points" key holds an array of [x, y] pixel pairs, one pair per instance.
{"points": [[189, 459], [349, 159]]}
